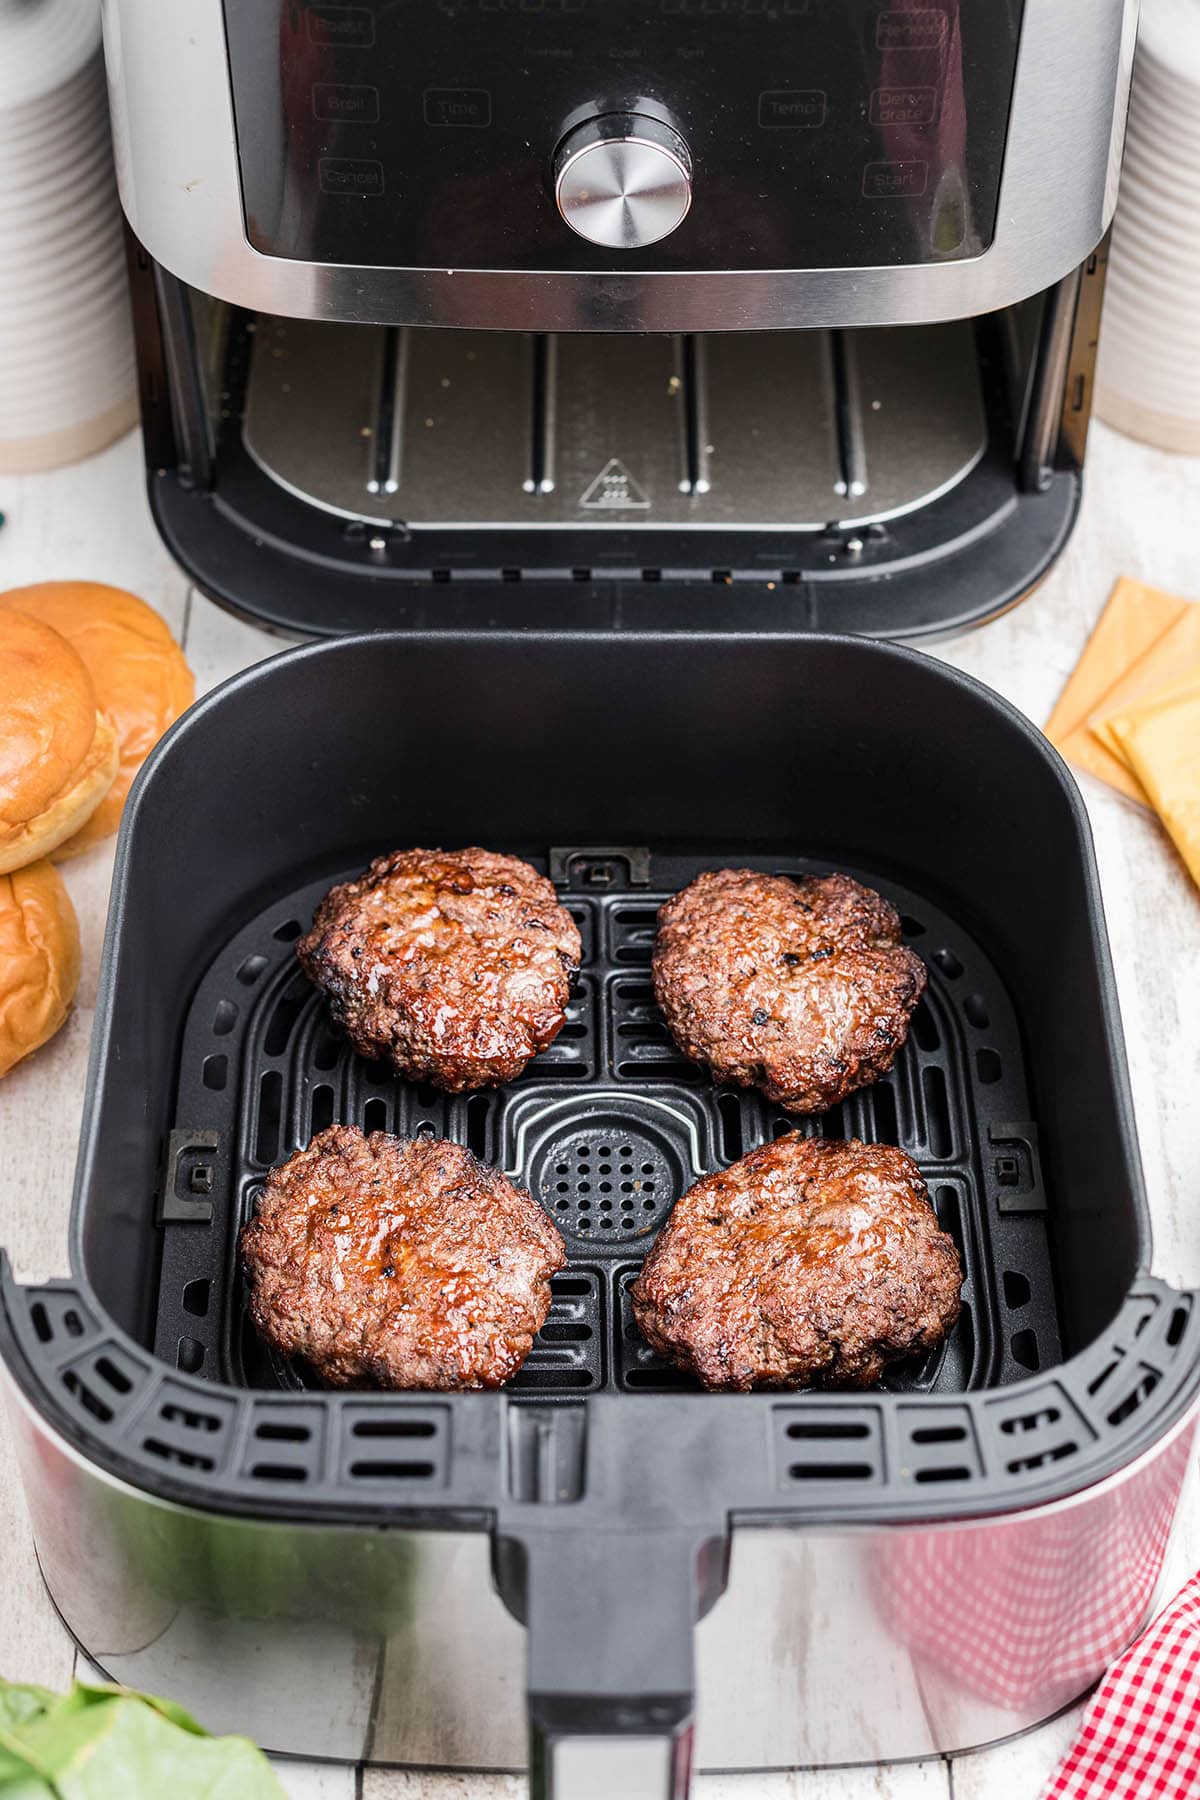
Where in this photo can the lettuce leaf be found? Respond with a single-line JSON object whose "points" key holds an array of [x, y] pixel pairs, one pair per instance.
{"points": [[109, 1743]]}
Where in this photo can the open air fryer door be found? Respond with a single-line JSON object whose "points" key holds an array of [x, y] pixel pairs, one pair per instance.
{"points": [[599, 544]]}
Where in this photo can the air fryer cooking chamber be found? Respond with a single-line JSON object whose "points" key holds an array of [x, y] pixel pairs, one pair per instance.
{"points": [[291, 1506], [325, 477]]}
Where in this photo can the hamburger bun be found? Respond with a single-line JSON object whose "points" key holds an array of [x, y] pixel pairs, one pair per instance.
{"points": [[58, 753], [39, 959], [141, 679]]}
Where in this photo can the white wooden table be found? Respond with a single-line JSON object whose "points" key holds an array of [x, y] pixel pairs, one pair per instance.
{"points": [[1139, 519]]}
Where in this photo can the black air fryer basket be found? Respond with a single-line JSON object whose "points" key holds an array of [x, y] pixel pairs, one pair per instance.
{"points": [[609, 1484]]}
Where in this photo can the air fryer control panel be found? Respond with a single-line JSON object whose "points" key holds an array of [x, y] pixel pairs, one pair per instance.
{"points": [[425, 133]]}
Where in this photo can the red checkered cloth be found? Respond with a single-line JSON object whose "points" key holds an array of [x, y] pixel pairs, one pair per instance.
{"points": [[1140, 1737]]}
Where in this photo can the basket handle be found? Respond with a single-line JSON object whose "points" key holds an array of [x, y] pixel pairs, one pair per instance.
{"points": [[610, 1617]]}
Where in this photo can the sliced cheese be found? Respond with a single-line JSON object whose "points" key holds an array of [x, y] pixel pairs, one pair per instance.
{"points": [[1171, 663], [1134, 618], [1161, 739]]}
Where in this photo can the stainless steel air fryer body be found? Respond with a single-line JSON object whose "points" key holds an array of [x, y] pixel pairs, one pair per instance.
{"points": [[847, 162]]}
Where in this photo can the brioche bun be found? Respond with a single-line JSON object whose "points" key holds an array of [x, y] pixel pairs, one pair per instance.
{"points": [[141, 679], [39, 959], [58, 753]]}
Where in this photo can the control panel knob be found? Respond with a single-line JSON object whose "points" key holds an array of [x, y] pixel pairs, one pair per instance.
{"points": [[623, 180]]}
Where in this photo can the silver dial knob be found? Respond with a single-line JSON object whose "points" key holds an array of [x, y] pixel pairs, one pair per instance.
{"points": [[623, 180]]}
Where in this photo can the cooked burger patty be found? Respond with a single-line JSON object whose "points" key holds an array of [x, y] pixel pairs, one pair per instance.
{"points": [[800, 988], [806, 1263], [386, 1262], [454, 965]]}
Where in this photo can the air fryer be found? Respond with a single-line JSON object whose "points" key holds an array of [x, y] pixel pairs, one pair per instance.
{"points": [[593, 472]]}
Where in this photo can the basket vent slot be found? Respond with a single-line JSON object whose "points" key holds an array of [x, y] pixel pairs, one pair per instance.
{"points": [[568, 1352], [116, 1377], [1105, 1374], [733, 1133], [282, 1022], [1016, 1290], [937, 1111], [394, 1428], [188, 1418], [175, 1453], [402, 1444], [87, 1396], [278, 1471], [643, 1048], [924, 1027], [478, 1110], [881, 1125], [1144, 1385], [838, 1445], [938, 1443], [1038, 1459], [270, 1102], [225, 1018], [1178, 1324], [55, 1315], [1031, 1421], [195, 1297], [633, 929]]}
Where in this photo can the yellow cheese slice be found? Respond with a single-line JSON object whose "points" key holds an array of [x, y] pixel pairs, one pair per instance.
{"points": [[1172, 662], [1136, 615], [1162, 742], [1134, 619]]}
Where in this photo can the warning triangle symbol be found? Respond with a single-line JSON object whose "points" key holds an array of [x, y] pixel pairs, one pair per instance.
{"points": [[614, 490]]}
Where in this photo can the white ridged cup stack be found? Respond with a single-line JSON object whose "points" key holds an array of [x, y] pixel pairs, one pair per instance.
{"points": [[67, 383], [1148, 379]]}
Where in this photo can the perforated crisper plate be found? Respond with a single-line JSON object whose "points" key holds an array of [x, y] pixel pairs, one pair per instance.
{"points": [[606, 1128]]}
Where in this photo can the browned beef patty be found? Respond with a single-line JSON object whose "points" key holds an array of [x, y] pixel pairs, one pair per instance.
{"points": [[806, 1263], [800, 988], [386, 1262], [454, 965]]}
